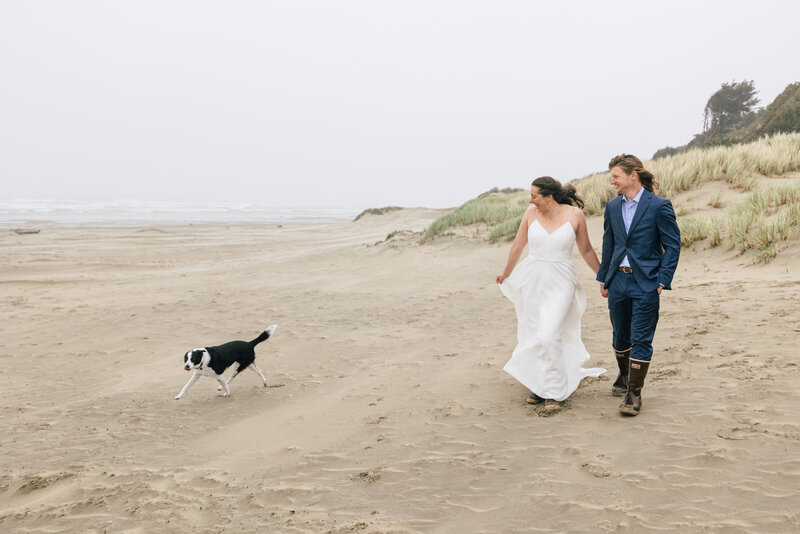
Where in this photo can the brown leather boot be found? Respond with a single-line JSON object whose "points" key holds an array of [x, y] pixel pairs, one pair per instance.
{"points": [[632, 402], [620, 385]]}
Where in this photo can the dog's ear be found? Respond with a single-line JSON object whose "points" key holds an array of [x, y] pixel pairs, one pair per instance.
{"points": [[197, 356]]}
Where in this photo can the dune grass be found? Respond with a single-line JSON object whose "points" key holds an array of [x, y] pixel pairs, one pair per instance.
{"points": [[496, 208], [761, 223], [693, 229], [596, 191], [377, 211], [768, 217], [739, 165], [505, 231], [715, 201]]}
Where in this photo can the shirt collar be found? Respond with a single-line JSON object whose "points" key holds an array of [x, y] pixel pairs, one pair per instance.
{"points": [[636, 199]]}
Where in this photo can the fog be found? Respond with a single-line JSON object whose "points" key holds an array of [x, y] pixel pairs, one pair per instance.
{"points": [[357, 103]]}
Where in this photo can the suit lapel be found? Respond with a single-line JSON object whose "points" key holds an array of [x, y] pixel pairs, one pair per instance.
{"points": [[616, 213], [644, 203]]}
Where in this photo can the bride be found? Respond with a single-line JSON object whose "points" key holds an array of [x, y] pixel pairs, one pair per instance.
{"points": [[548, 299]]}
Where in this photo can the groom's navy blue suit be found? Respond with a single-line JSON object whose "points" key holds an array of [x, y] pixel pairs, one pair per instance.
{"points": [[652, 245]]}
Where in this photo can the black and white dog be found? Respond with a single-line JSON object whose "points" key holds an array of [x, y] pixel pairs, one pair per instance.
{"points": [[212, 361]]}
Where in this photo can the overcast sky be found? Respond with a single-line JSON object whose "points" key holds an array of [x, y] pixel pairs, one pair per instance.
{"points": [[360, 103]]}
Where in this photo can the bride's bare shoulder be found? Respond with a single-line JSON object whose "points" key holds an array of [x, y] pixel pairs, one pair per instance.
{"points": [[576, 218], [530, 214]]}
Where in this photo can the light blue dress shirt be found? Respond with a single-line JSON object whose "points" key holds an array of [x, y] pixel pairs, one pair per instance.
{"points": [[628, 211]]}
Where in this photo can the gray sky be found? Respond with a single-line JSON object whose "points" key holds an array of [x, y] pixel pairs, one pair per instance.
{"points": [[360, 103]]}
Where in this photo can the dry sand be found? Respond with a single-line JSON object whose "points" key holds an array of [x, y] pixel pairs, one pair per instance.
{"points": [[388, 410]]}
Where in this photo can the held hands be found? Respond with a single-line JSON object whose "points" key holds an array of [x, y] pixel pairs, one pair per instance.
{"points": [[501, 278]]}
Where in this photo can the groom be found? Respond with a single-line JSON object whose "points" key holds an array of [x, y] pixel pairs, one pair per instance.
{"points": [[641, 245]]}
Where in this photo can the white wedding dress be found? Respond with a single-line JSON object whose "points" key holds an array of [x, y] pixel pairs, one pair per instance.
{"points": [[549, 302]]}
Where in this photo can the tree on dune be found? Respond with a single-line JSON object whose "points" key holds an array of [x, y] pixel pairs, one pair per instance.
{"points": [[730, 108]]}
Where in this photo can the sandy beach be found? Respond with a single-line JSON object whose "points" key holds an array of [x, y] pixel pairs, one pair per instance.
{"points": [[387, 409]]}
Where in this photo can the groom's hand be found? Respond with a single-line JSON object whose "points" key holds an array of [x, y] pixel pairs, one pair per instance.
{"points": [[603, 292]]}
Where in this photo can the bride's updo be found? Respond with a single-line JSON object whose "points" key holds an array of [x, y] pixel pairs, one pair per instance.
{"points": [[562, 194]]}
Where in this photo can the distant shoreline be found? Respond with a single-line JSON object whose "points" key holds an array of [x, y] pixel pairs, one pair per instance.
{"points": [[28, 213]]}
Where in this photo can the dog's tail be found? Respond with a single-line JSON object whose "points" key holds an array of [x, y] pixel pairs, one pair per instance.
{"points": [[264, 335]]}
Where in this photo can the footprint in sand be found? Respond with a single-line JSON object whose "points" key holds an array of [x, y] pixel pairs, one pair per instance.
{"points": [[370, 476], [597, 471]]}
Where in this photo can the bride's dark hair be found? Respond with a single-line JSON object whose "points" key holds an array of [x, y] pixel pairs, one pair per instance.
{"points": [[561, 194]]}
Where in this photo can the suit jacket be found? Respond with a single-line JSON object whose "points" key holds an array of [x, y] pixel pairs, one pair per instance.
{"points": [[653, 243]]}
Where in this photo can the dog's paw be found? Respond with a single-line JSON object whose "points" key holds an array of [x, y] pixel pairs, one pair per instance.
{"points": [[219, 388], [177, 397], [226, 394]]}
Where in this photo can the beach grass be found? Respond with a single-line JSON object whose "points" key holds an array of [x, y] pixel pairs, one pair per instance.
{"points": [[693, 229], [377, 211], [761, 223], [505, 231], [495, 208], [714, 232], [767, 218], [739, 165]]}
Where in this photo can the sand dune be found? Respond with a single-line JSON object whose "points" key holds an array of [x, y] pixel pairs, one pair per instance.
{"points": [[388, 410]]}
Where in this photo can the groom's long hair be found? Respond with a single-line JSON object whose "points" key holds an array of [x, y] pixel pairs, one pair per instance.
{"points": [[561, 194], [630, 163]]}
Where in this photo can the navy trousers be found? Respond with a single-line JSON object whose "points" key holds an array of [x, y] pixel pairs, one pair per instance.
{"points": [[634, 316]]}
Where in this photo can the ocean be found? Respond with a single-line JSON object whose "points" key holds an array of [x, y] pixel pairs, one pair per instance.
{"points": [[30, 212]]}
